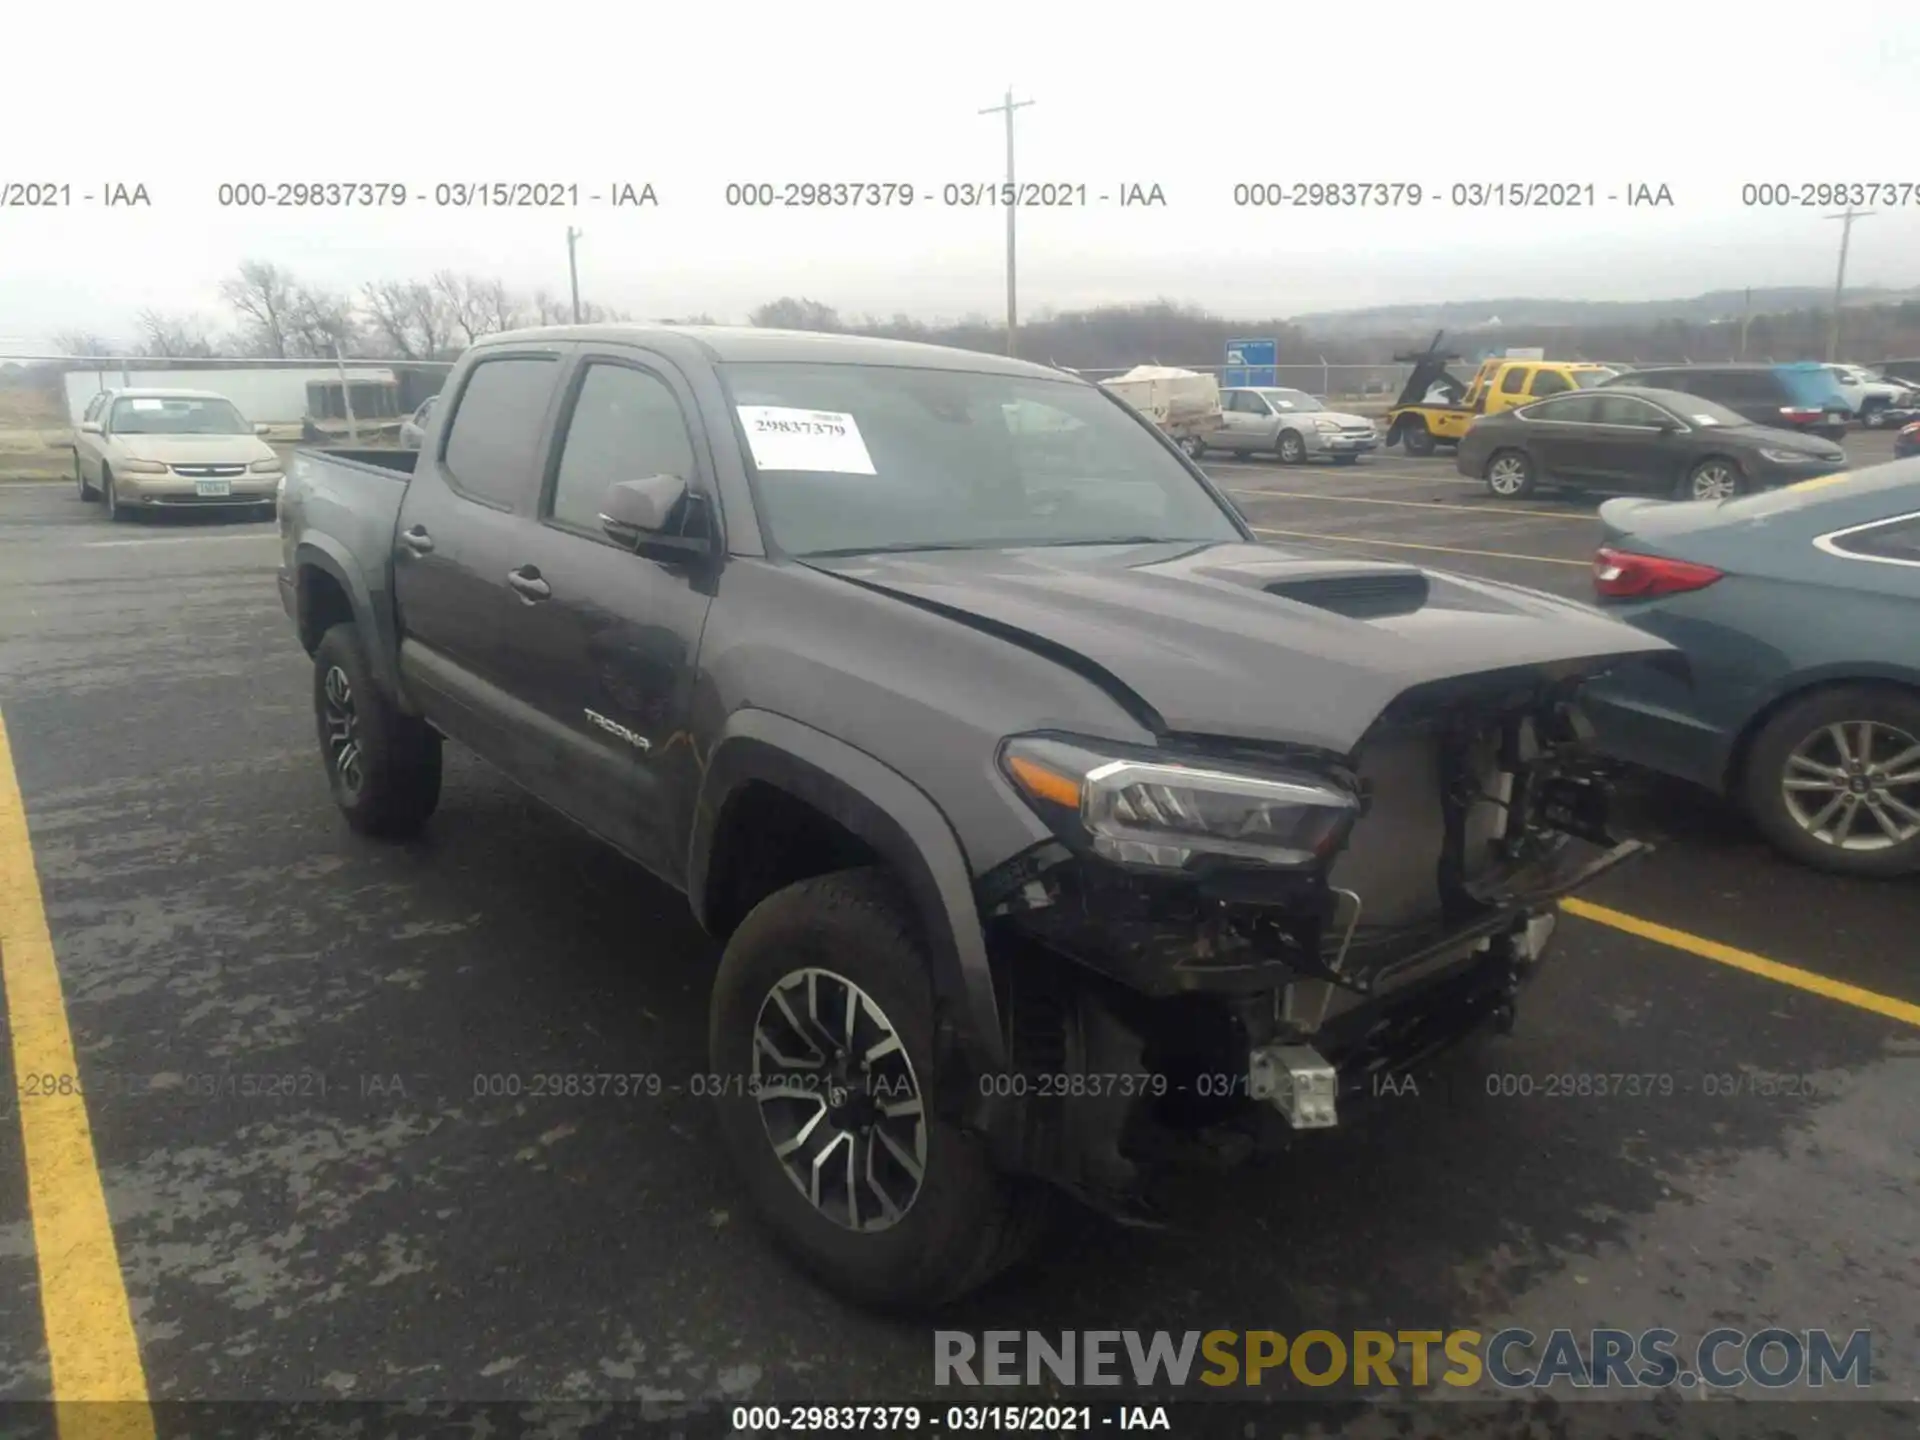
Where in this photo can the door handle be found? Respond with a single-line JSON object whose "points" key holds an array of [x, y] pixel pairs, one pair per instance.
{"points": [[528, 585], [417, 540]]}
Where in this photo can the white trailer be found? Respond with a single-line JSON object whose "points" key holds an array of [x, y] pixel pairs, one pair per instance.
{"points": [[265, 395], [1184, 403]]}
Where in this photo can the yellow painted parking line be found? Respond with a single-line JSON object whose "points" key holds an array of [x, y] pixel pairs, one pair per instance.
{"points": [[1409, 545], [83, 1298], [1413, 504], [1746, 960]]}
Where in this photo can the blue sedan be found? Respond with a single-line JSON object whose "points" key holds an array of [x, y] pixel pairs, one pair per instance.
{"points": [[1797, 612]]}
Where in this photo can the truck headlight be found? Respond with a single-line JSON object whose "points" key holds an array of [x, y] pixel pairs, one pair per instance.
{"points": [[1163, 812]]}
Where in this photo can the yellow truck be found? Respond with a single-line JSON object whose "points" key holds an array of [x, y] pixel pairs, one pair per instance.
{"points": [[1435, 407]]}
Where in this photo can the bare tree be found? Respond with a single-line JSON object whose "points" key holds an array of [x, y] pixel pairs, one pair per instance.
{"points": [[415, 318], [264, 296], [175, 336], [549, 311], [476, 306], [789, 313], [81, 342]]}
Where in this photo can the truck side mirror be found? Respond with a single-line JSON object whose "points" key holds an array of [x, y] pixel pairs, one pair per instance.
{"points": [[636, 512]]}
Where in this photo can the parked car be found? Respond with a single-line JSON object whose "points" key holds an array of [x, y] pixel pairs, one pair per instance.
{"points": [[1906, 443], [1291, 424], [1634, 439], [1782, 397], [1436, 407], [1799, 614], [987, 751], [146, 450], [413, 429], [1867, 394]]}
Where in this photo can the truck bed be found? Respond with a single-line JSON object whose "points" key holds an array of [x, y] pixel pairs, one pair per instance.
{"points": [[339, 510]]}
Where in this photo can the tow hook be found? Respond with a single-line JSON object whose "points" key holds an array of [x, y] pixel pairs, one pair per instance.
{"points": [[1297, 1081]]}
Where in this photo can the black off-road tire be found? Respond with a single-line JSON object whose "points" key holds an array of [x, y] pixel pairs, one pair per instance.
{"points": [[967, 1222], [397, 756], [1416, 437], [1765, 768]]}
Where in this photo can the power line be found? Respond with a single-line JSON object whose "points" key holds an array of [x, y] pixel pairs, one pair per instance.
{"points": [[1846, 217], [1012, 196]]}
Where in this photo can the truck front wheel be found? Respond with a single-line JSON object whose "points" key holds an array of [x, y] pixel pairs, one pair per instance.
{"points": [[821, 1045], [1417, 437], [383, 765]]}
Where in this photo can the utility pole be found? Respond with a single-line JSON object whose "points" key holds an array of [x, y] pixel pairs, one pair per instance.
{"points": [[573, 269], [1846, 218], [1007, 107], [1746, 319]]}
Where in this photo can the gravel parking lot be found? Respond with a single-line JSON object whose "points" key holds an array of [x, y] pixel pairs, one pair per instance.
{"points": [[392, 1221]]}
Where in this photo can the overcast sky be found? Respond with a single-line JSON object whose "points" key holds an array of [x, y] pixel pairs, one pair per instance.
{"points": [[1699, 97]]}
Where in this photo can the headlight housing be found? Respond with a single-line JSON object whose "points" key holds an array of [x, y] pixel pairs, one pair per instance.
{"points": [[269, 466], [1159, 812], [1324, 425], [1789, 457], [141, 467]]}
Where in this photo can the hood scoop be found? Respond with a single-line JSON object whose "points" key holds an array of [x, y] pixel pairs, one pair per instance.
{"points": [[1371, 594]]}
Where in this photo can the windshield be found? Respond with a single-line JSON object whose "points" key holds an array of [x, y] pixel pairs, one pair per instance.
{"points": [[1591, 379], [174, 415], [853, 458], [1292, 400]]}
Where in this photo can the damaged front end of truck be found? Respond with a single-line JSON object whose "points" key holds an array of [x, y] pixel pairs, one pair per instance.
{"points": [[1224, 943]]}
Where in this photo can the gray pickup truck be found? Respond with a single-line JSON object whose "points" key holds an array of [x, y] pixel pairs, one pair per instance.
{"points": [[1053, 826]]}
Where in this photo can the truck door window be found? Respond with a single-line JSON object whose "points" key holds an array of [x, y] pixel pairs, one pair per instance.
{"points": [[492, 451], [625, 425], [1514, 382], [1550, 382]]}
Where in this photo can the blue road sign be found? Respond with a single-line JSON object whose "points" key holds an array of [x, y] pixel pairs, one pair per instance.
{"points": [[1251, 362]]}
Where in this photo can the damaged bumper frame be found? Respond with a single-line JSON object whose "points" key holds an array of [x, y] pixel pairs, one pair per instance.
{"points": [[1149, 1013]]}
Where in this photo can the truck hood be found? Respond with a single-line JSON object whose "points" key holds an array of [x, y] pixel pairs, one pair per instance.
{"points": [[194, 449], [1254, 642]]}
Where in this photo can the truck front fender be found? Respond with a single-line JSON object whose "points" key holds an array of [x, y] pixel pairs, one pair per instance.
{"points": [[898, 822], [316, 609]]}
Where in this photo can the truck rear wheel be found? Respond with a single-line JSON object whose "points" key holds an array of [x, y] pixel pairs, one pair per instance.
{"points": [[383, 765], [1417, 437], [821, 1042]]}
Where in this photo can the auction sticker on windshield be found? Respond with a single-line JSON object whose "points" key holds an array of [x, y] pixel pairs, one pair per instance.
{"points": [[820, 440]]}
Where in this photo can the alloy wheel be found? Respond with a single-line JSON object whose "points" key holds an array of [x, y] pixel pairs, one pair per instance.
{"points": [[1855, 785], [1507, 475], [839, 1100], [343, 731], [1714, 481], [1292, 449]]}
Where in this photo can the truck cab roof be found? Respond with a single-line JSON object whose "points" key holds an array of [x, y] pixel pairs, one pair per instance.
{"points": [[750, 344]]}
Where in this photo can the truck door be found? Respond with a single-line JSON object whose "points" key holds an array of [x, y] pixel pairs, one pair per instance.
{"points": [[603, 642], [1511, 390], [451, 545]]}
